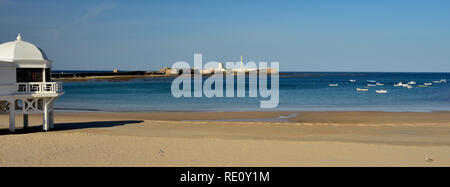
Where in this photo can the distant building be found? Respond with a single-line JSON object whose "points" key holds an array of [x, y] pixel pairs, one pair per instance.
{"points": [[242, 69], [170, 71], [25, 83], [176, 71], [209, 71], [220, 69]]}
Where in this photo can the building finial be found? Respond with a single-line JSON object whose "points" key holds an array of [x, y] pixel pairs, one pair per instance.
{"points": [[19, 38]]}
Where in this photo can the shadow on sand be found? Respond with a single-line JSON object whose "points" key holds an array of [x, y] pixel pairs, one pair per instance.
{"points": [[72, 126]]}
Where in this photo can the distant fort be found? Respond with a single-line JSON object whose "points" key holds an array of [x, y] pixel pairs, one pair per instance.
{"points": [[164, 72], [126, 75]]}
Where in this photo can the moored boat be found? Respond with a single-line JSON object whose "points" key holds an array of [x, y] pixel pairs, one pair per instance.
{"points": [[381, 91], [398, 84]]}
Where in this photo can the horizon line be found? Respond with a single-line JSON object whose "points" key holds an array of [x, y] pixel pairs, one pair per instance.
{"points": [[281, 71]]}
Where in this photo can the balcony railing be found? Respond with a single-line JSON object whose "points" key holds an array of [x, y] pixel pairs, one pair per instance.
{"points": [[39, 87]]}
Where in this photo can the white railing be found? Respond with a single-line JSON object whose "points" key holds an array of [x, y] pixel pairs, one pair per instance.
{"points": [[39, 87]]}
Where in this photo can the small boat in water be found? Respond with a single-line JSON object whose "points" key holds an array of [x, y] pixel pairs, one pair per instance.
{"points": [[371, 81], [436, 81], [411, 82], [333, 85], [381, 91], [443, 80], [379, 84], [399, 84], [427, 84], [409, 87], [352, 80], [371, 85], [362, 89]]}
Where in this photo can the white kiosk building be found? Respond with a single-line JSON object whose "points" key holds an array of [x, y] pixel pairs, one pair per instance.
{"points": [[25, 83]]}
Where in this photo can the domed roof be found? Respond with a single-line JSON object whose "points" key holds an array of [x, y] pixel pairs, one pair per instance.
{"points": [[20, 50]]}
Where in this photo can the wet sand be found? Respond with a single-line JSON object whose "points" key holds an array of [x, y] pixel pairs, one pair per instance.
{"points": [[230, 139]]}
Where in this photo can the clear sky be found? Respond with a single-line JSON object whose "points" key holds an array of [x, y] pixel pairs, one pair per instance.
{"points": [[308, 35]]}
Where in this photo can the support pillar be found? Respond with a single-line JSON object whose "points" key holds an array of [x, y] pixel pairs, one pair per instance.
{"points": [[43, 75], [45, 116], [12, 116], [50, 113], [25, 121], [51, 119]]}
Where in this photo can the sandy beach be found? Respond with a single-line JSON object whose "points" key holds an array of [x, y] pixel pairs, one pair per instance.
{"points": [[230, 139]]}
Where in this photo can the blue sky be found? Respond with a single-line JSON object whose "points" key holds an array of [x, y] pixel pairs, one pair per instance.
{"points": [[314, 35]]}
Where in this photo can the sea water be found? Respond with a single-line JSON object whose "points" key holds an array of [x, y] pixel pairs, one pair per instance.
{"points": [[299, 91]]}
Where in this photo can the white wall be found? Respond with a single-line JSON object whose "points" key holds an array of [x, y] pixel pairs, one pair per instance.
{"points": [[7, 75], [7, 79], [8, 89]]}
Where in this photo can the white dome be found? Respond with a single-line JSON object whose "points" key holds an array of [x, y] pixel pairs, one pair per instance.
{"points": [[20, 50]]}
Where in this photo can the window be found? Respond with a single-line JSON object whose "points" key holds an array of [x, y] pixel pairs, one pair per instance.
{"points": [[47, 75], [29, 75]]}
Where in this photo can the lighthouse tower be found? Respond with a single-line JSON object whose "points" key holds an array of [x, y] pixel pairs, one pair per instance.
{"points": [[25, 83]]}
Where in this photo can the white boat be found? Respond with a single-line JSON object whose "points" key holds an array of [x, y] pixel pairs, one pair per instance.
{"points": [[362, 89], [427, 84], [443, 80], [371, 85], [371, 81], [381, 91], [379, 84], [333, 85], [436, 81], [409, 87], [398, 84], [405, 85], [352, 80], [411, 82]]}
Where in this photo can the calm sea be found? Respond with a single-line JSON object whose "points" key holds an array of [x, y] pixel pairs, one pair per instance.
{"points": [[298, 91]]}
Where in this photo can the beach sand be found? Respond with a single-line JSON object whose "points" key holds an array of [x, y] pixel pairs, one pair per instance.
{"points": [[230, 139]]}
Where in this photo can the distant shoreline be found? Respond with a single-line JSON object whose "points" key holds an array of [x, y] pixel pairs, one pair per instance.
{"points": [[80, 76], [110, 76], [87, 110], [106, 77]]}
